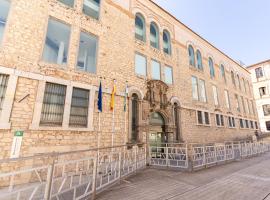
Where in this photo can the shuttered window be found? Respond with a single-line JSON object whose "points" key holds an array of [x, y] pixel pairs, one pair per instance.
{"points": [[53, 105], [3, 88], [79, 108]]}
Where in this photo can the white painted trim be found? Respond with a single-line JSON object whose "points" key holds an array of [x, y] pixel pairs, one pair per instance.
{"points": [[8, 102], [66, 114]]}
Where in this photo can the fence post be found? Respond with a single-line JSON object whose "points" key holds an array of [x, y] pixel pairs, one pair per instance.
{"points": [[204, 156], [94, 188], [215, 150], [49, 180], [167, 155], [119, 167]]}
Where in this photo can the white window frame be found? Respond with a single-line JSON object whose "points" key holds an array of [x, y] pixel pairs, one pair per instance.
{"points": [[5, 123], [202, 90], [215, 95], [65, 125], [203, 118], [230, 119], [219, 116], [197, 88], [227, 99]]}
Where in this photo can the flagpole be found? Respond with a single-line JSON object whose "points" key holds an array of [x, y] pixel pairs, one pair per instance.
{"points": [[99, 115], [126, 109]]}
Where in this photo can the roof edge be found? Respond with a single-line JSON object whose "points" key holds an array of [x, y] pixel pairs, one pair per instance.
{"points": [[259, 63], [199, 35]]}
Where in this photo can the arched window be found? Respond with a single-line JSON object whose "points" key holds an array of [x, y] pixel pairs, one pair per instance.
{"points": [[222, 72], [233, 78], [154, 35], [140, 27], [134, 117], [199, 60], [211, 67], [238, 82], [244, 85], [191, 56], [167, 42], [248, 86], [176, 121]]}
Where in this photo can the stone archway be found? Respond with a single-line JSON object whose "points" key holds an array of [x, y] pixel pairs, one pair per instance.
{"points": [[157, 129]]}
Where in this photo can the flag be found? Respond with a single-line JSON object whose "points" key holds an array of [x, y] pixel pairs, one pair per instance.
{"points": [[99, 103], [125, 100], [112, 97]]}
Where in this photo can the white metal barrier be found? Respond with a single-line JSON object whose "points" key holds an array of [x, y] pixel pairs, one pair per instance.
{"points": [[73, 175]]}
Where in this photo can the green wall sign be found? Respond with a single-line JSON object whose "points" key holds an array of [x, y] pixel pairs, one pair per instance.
{"points": [[18, 133]]}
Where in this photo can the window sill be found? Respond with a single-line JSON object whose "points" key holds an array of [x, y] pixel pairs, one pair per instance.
{"points": [[141, 77], [53, 65], [43, 128], [194, 68], [5, 126], [205, 125], [140, 42]]}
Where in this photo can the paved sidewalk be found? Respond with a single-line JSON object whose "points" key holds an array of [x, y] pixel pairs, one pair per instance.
{"points": [[244, 180]]}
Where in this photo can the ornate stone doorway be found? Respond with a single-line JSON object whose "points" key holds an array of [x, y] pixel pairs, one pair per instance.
{"points": [[157, 135]]}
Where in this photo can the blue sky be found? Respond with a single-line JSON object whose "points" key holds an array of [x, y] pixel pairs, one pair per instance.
{"points": [[239, 28]]}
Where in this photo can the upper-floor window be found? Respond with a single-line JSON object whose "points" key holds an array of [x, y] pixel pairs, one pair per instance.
{"points": [[199, 60], [3, 88], [68, 2], [211, 67], [167, 47], [168, 73], [194, 82], [247, 106], [140, 28], [140, 64], [155, 70], [259, 72], [86, 59], [244, 85], [215, 95], [191, 56], [154, 35], [91, 8], [4, 10], [262, 91], [227, 99], [266, 109], [222, 72], [243, 104], [237, 102], [198, 89], [233, 78], [248, 86], [53, 105], [238, 82], [79, 108], [267, 124], [57, 42]]}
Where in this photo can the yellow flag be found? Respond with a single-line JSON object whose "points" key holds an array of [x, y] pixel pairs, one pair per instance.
{"points": [[113, 97]]}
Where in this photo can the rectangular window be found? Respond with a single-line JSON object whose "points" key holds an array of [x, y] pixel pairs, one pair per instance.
{"points": [[262, 91], [140, 65], [237, 102], [252, 124], [267, 124], [87, 57], [91, 8], [53, 105], [219, 120], [68, 2], [195, 94], [266, 110], [241, 122], [4, 10], [231, 122], [79, 108], [57, 42], [247, 123], [227, 98], [243, 104], [256, 126], [259, 72], [3, 88], [202, 91], [247, 105], [168, 75], [203, 118], [155, 70], [215, 94]]}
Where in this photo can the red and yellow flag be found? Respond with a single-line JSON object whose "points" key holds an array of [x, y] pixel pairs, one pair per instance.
{"points": [[113, 97]]}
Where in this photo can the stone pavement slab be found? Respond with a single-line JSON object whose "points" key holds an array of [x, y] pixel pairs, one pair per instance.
{"points": [[243, 180]]}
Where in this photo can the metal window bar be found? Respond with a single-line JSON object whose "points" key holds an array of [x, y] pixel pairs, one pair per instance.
{"points": [[79, 108], [3, 87], [53, 105]]}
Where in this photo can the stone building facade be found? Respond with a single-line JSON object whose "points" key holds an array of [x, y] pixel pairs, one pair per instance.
{"points": [[54, 53], [260, 74]]}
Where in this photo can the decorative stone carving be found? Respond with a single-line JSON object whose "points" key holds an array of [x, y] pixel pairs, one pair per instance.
{"points": [[157, 95]]}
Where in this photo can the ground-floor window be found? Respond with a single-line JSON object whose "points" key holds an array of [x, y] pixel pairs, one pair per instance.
{"points": [[176, 121], [203, 118], [134, 117], [3, 88], [267, 125]]}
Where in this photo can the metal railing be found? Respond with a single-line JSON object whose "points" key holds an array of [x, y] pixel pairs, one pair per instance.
{"points": [[73, 175]]}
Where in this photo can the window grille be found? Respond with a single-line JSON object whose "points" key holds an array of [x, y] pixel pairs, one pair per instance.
{"points": [[3, 87], [53, 105], [79, 108]]}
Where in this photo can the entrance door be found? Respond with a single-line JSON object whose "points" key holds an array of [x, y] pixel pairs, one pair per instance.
{"points": [[157, 136]]}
